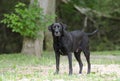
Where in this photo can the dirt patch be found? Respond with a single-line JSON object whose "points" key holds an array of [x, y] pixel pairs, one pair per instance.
{"points": [[95, 69], [106, 69]]}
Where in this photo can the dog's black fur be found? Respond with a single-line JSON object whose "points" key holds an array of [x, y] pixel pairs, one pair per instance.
{"points": [[65, 43]]}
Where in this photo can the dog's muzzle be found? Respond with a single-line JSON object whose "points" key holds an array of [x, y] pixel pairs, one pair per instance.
{"points": [[57, 33]]}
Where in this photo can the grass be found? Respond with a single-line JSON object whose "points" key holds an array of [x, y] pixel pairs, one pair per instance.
{"points": [[9, 60], [20, 67], [115, 52]]}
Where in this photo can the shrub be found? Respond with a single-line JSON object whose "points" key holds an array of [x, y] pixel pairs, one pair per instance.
{"points": [[27, 21]]}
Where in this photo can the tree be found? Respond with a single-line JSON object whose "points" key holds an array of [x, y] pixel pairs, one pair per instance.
{"points": [[105, 16], [32, 46], [30, 23], [48, 7]]}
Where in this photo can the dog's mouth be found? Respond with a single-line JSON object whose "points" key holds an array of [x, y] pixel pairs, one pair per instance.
{"points": [[57, 34]]}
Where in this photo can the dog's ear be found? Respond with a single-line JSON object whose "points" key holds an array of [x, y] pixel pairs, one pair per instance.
{"points": [[50, 27], [64, 26]]}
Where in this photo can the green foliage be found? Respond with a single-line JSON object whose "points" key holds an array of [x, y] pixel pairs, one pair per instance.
{"points": [[27, 21], [70, 16], [109, 35]]}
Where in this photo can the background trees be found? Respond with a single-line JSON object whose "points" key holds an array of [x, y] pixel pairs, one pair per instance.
{"points": [[30, 22], [102, 14], [9, 41]]}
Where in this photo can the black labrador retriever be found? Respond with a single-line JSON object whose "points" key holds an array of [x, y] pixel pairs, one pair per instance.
{"points": [[65, 43]]}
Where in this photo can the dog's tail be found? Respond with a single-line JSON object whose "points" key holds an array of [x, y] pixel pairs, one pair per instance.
{"points": [[94, 32]]}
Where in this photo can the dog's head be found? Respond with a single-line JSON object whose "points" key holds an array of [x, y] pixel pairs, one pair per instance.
{"points": [[57, 29]]}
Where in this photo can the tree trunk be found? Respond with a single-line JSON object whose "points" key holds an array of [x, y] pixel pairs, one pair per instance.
{"points": [[49, 8], [33, 46]]}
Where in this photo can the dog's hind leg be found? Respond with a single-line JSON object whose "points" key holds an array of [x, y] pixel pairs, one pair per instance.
{"points": [[78, 58], [87, 55]]}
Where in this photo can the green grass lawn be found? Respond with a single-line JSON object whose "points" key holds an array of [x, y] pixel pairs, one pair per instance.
{"points": [[20, 67]]}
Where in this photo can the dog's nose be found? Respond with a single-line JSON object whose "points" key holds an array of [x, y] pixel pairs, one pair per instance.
{"points": [[56, 31]]}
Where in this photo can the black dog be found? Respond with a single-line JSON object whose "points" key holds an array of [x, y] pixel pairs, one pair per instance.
{"points": [[65, 43]]}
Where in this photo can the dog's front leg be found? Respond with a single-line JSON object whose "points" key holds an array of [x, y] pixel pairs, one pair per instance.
{"points": [[57, 56], [70, 63]]}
